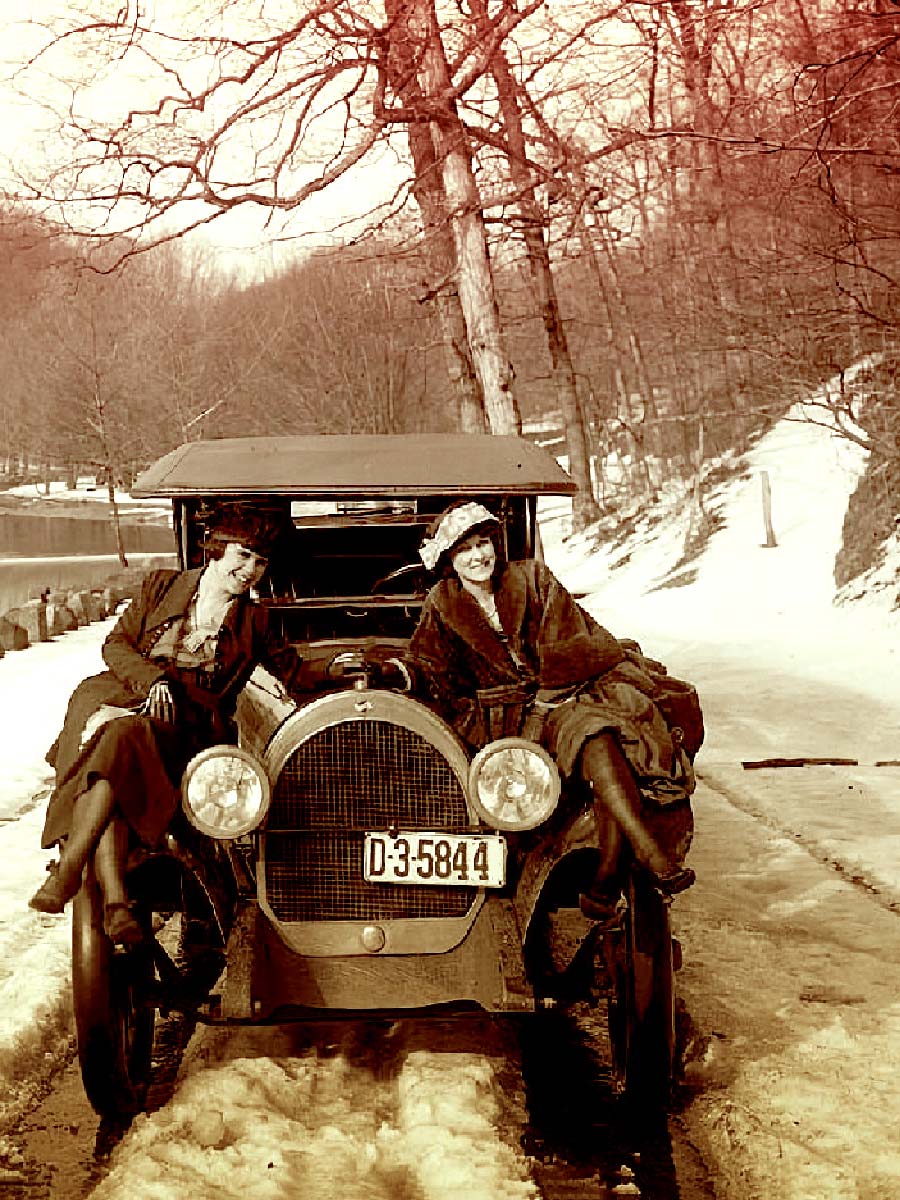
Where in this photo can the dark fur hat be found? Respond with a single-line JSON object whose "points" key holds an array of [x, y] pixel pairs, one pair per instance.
{"points": [[257, 528]]}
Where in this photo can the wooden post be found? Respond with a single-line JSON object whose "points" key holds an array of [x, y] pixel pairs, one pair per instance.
{"points": [[698, 490], [767, 510], [697, 521]]}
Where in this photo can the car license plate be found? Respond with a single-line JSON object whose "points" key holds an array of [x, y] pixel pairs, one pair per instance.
{"points": [[461, 860]]}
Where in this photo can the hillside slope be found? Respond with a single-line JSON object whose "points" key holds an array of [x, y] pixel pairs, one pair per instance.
{"points": [[777, 605]]}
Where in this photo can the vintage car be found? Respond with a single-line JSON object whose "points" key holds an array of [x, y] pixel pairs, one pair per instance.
{"points": [[349, 857]]}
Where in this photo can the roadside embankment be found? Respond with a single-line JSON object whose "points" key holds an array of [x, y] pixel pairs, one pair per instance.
{"points": [[23, 579], [94, 595]]}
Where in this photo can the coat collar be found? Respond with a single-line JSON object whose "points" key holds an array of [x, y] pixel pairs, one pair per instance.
{"points": [[462, 614], [178, 597], [512, 599]]}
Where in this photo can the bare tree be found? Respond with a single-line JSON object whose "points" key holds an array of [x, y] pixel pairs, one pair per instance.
{"points": [[533, 229], [442, 286], [734, 167], [241, 112], [79, 379], [417, 25]]}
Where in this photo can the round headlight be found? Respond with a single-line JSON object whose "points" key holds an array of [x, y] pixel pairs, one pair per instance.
{"points": [[225, 792], [513, 784]]}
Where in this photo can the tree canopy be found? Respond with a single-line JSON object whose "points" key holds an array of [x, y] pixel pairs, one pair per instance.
{"points": [[648, 217]]}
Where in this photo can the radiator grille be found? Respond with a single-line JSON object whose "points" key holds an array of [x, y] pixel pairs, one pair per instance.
{"points": [[342, 781]]}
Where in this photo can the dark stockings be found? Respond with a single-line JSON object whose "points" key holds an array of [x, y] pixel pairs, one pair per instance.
{"points": [[109, 861], [96, 830], [91, 825], [617, 803]]}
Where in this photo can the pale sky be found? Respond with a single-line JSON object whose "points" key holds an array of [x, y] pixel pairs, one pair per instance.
{"points": [[250, 239]]}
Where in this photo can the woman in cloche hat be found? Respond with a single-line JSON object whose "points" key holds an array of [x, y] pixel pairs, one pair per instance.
{"points": [[511, 631], [177, 658]]}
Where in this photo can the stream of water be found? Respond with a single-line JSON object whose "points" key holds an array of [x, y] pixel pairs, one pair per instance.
{"points": [[46, 551]]}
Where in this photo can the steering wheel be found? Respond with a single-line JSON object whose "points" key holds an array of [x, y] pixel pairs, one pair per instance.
{"points": [[413, 571]]}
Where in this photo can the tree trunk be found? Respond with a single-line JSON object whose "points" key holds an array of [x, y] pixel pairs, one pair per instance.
{"points": [[429, 193], [116, 521], [562, 371], [100, 415], [696, 37], [623, 399], [650, 417], [476, 282]]}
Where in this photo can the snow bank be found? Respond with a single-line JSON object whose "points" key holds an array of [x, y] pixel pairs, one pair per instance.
{"points": [[776, 605], [317, 1125], [35, 1006], [60, 492]]}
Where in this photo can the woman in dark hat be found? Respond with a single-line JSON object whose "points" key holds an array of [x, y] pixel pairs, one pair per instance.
{"points": [[177, 659], [495, 636]]}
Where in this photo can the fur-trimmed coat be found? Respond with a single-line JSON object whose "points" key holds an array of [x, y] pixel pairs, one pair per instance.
{"points": [[589, 680]]}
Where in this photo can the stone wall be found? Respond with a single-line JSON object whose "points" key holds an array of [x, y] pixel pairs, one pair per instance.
{"points": [[56, 612]]}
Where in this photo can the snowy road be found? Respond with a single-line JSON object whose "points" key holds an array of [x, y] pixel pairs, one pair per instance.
{"points": [[790, 985], [791, 935], [791, 978]]}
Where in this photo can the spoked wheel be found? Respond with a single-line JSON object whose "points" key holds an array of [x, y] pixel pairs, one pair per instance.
{"points": [[642, 1005], [114, 1016]]}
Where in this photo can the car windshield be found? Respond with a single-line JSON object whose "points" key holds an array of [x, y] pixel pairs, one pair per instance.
{"points": [[357, 508], [349, 567]]}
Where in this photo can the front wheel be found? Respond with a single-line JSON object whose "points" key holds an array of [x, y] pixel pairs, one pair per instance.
{"points": [[114, 1016], [642, 1005]]}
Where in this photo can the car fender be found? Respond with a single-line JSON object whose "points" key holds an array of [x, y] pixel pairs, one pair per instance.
{"points": [[151, 872], [563, 846]]}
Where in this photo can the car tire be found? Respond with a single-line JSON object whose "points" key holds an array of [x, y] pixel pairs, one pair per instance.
{"points": [[114, 1016], [641, 1008]]}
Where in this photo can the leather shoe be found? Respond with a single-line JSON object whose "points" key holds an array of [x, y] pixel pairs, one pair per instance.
{"points": [[120, 926], [603, 907], [55, 892], [676, 881]]}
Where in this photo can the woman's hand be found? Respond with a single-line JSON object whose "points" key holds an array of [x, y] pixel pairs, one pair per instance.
{"points": [[160, 703]]}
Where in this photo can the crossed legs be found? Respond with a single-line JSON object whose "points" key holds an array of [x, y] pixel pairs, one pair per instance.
{"points": [[98, 830], [617, 804]]}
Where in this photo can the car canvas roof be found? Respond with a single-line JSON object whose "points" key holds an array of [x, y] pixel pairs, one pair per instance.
{"points": [[414, 464]]}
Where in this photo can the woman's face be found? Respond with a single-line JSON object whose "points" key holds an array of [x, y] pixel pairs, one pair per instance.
{"points": [[239, 568], [474, 559]]}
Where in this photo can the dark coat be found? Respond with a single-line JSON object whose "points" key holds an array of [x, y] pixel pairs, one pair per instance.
{"points": [[591, 682], [204, 715]]}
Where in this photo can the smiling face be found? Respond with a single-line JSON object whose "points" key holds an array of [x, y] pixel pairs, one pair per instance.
{"points": [[239, 568], [474, 559]]}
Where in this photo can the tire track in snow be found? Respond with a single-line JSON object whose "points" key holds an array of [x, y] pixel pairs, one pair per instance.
{"points": [[741, 800], [360, 1113]]}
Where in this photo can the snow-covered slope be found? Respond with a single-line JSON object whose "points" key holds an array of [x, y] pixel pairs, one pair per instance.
{"points": [[777, 604]]}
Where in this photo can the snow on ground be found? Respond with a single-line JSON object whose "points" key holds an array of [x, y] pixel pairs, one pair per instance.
{"points": [[771, 608], [34, 950], [293, 1122], [772, 605], [775, 609], [58, 492]]}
